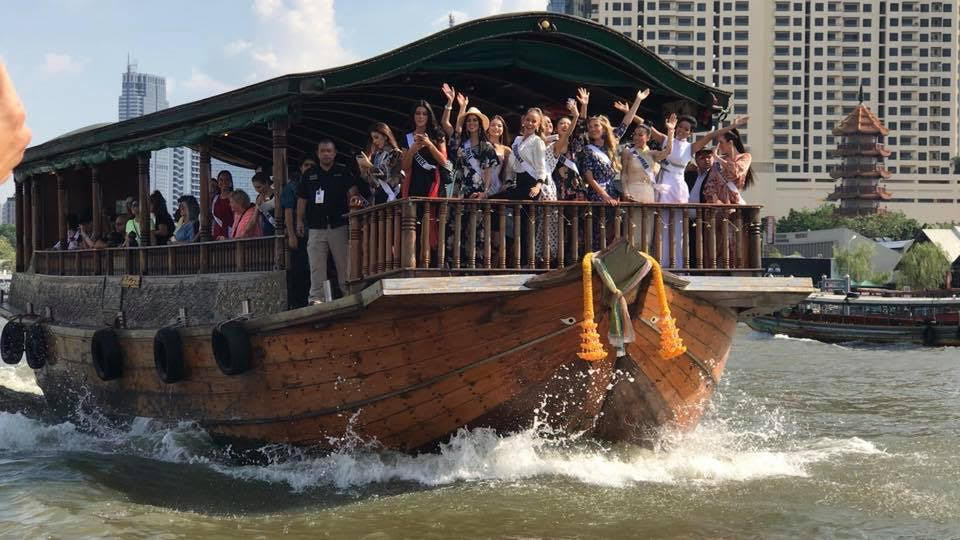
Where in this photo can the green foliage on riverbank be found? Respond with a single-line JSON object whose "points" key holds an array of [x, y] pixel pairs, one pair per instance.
{"points": [[893, 225]]}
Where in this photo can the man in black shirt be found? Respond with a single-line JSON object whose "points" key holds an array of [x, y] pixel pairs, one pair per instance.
{"points": [[323, 198]]}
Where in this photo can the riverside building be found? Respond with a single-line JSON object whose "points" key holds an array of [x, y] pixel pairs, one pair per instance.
{"points": [[795, 67]]}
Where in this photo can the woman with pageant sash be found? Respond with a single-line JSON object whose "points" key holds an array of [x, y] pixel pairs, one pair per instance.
{"points": [[424, 163], [600, 159], [380, 164], [638, 177]]}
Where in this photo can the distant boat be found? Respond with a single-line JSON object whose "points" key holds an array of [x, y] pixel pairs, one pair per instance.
{"points": [[837, 314]]}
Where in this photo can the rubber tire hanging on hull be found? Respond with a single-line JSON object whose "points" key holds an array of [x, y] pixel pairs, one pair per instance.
{"points": [[36, 346], [231, 347], [168, 355], [12, 342], [930, 336], [106, 354]]}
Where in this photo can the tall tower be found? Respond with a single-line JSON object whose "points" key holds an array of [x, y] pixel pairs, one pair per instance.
{"points": [[142, 94], [861, 151]]}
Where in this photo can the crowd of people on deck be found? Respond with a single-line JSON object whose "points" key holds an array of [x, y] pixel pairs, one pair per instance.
{"points": [[575, 156]]}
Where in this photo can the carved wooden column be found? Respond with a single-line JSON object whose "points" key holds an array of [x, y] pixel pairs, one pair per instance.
{"points": [[408, 238], [34, 216], [97, 205], [279, 128], [143, 185], [18, 221], [62, 210], [754, 238], [204, 232]]}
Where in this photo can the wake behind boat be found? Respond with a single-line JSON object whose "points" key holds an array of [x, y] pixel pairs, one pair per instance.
{"points": [[458, 312]]}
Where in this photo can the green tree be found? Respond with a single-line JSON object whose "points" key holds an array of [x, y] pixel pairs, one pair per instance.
{"points": [[774, 253], [10, 233], [893, 225], [923, 267], [855, 261], [8, 256], [808, 220]]}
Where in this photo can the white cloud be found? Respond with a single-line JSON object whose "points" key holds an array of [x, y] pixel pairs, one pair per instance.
{"points": [[201, 85], [488, 8], [236, 47], [55, 63], [294, 36]]}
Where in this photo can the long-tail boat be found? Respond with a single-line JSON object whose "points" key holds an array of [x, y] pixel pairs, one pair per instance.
{"points": [[427, 339], [838, 314]]}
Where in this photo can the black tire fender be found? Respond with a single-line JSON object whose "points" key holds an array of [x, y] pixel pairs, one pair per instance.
{"points": [[12, 342], [231, 347], [168, 355], [36, 346], [106, 354]]}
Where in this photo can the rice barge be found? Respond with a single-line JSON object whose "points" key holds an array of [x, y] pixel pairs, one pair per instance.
{"points": [[836, 314], [428, 339]]}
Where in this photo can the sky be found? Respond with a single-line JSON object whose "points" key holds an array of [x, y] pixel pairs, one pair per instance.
{"points": [[67, 57]]}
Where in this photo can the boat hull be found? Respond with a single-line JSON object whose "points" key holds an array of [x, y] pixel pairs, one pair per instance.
{"points": [[831, 332], [409, 368]]}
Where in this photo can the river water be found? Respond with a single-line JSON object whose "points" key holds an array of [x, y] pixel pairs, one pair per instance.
{"points": [[803, 440]]}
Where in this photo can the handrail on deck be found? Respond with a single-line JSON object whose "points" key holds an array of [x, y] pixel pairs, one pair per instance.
{"points": [[464, 236], [224, 256]]}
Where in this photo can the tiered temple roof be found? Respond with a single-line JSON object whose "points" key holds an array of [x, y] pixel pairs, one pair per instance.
{"points": [[861, 151]]}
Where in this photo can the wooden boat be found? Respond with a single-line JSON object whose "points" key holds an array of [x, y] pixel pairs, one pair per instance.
{"points": [[837, 314], [480, 330]]}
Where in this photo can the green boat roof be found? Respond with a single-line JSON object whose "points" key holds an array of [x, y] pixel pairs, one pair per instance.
{"points": [[503, 63]]}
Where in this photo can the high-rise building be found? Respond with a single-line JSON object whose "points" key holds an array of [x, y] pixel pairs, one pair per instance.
{"points": [[8, 215], [173, 171], [581, 8], [795, 67]]}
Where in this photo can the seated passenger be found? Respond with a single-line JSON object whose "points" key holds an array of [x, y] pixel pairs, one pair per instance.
{"points": [[116, 237], [74, 235], [246, 221], [189, 220]]}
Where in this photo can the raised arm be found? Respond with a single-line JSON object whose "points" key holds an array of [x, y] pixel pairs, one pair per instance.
{"points": [[462, 102], [563, 142], [583, 96], [632, 113], [449, 92], [662, 154], [703, 141]]}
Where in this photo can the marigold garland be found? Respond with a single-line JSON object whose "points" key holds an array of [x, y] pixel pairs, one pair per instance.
{"points": [[591, 349], [671, 344]]}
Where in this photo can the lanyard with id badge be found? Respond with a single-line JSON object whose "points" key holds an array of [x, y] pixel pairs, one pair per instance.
{"points": [[318, 197]]}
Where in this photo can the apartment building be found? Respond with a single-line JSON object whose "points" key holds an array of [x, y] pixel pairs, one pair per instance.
{"points": [[796, 67]]}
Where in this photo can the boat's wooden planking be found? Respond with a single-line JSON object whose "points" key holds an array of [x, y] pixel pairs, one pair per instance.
{"points": [[407, 377]]}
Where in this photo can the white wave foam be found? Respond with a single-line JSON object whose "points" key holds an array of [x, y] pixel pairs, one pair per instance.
{"points": [[714, 453], [19, 378]]}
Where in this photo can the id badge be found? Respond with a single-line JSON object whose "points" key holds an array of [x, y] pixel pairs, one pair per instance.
{"points": [[319, 197]]}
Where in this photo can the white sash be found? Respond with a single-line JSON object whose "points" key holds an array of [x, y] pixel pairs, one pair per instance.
{"points": [[213, 206], [601, 155], [570, 164], [523, 165], [421, 161], [391, 195]]}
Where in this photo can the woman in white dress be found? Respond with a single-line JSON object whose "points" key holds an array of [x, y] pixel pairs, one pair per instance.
{"points": [[638, 176], [671, 187]]}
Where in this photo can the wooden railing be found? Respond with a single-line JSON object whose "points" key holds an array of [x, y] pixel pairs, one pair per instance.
{"points": [[243, 255], [460, 236]]}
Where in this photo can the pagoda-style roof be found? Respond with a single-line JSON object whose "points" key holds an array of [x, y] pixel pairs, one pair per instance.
{"points": [[504, 63], [867, 194], [878, 172], [861, 121], [864, 149]]}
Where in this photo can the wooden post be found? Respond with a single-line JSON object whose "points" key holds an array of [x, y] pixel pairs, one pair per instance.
{"points": [[204, 232], [457, 234], [575, 235], [699, 236], [517, 216], [354, 261], [425, 236], [62, 210], [442, 216], [502, 234], [472, 236], [390, 240], [97, 208], [408, 236], [754, 232], [710, 237], [487, 235], [279, 127], [143, 175], [365, 245], [19, 225], [34, 215]]}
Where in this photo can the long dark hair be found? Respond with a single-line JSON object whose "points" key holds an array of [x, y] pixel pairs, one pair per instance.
{"points": [[481, 133], [733, 136], [382, 129], [505, 136], [433, 127]]}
